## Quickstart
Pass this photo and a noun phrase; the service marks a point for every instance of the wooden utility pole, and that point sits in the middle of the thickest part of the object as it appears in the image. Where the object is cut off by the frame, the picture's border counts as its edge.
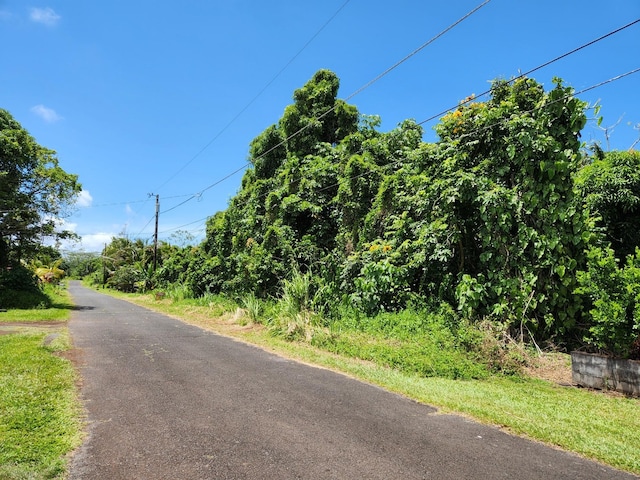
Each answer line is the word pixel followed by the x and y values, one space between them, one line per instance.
pixel 104 266
pixel 155 236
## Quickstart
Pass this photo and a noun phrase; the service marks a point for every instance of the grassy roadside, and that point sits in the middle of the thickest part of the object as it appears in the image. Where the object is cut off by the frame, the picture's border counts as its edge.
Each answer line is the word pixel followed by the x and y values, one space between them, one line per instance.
pixel 596 425
pixel 40 416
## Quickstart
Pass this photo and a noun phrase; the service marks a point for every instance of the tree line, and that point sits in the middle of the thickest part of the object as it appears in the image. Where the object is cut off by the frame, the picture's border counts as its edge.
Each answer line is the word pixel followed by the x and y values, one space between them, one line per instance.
pixel 507 217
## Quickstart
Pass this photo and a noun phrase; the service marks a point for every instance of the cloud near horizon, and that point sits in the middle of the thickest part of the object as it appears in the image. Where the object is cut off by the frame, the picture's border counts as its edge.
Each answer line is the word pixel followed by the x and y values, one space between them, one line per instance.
pixel 46 16
pixel 49 115
pixel 95 242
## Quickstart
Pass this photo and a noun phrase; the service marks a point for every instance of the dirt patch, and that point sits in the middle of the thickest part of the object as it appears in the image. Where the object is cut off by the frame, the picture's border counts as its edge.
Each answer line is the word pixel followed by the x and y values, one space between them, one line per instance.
pixel 76 357
pixel 50 323
pixel 7 328
pixel 553 367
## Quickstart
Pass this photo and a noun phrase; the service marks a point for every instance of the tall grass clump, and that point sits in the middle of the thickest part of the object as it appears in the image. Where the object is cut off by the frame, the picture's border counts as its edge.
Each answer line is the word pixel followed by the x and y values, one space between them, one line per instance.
pixel 252 306
pixel 295 318
pixel 214 301
pixel 179 293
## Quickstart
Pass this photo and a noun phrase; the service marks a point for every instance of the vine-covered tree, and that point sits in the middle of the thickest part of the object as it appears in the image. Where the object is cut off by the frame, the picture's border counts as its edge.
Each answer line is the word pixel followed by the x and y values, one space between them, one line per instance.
pixel 284 217
pixel 484 219
pixel 317 115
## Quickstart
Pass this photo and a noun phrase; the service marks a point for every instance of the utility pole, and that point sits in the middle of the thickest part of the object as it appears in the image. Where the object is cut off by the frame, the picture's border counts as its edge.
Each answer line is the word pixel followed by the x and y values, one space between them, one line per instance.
pixel 104 267
pixel 155 236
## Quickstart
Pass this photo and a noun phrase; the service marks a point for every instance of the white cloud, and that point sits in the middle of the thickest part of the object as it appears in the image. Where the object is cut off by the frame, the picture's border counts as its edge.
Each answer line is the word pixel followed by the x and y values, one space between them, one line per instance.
pixel 46 16
pixel 64 225
pixel 84 199
pixel 49 115
pixel 95 242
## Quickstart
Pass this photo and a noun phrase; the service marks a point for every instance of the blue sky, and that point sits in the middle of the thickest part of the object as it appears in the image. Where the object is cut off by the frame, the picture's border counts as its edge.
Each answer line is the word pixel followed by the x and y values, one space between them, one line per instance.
pixel 155 97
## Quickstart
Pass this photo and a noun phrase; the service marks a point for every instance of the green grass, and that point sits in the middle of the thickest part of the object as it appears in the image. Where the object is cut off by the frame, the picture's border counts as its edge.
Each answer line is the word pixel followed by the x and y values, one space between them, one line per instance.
pixel 420 355
pixel 40 421
pixel 596 425
pixel 40 418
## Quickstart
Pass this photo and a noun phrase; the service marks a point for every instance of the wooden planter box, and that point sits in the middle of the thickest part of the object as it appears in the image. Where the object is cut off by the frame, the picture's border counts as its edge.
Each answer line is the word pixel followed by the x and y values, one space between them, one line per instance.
pixel 606 373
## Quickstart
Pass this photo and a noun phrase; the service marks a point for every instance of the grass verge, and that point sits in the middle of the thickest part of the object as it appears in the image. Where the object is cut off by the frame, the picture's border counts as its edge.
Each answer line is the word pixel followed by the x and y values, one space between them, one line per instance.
pixel 40 415
pixel 593 424
pixel 39 412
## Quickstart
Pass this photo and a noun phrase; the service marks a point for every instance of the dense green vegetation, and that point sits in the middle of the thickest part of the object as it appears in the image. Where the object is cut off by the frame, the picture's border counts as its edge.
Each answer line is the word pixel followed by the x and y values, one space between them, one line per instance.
pixel 425 263
pixel 506 220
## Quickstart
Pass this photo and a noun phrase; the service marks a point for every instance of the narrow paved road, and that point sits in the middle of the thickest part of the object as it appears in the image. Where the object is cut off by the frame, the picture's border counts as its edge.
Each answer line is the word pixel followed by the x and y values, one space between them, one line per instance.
pixel 167 400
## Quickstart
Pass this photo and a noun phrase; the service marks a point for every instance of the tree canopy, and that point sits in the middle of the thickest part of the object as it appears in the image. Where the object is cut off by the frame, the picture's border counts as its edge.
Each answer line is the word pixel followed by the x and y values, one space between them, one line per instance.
pixel 485 219
pixel 35 192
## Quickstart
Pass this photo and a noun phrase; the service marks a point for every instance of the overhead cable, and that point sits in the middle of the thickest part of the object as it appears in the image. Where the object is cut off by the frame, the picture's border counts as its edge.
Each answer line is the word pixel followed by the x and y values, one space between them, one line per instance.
pixel 546 64
pixel 573 94
pixel 256 96
pixel 367 85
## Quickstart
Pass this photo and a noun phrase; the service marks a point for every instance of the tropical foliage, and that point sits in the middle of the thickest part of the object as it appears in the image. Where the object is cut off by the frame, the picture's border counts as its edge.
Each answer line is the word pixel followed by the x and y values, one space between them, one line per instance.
pixel 500 220
pixel 485 219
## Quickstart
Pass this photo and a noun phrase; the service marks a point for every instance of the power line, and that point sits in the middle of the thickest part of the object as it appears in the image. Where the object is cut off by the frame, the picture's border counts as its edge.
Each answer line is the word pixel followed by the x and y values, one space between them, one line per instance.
pixel 573 94
pixel 364 87
pixel 367 85
pixel 195 195
pixel 257 95
pixel 134 201
pixel 610 80
pixel 421 47
pixel 486 127
pixel 293 135
pixel 546 64
pixel 613 32
pixel 600 84
pixel 185 225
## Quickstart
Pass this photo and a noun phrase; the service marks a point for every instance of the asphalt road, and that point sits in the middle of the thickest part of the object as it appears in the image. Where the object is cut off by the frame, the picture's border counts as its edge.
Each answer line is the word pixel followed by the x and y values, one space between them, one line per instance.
pixel 166 400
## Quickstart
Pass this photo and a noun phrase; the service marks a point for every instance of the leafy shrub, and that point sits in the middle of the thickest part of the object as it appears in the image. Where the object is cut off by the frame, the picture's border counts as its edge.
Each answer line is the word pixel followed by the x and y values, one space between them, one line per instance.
pixel 378 279
pixel 125 278
pixel 204 274
pixel 19 288
pixel 614 295
pixel 18 278
pixel 610 189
